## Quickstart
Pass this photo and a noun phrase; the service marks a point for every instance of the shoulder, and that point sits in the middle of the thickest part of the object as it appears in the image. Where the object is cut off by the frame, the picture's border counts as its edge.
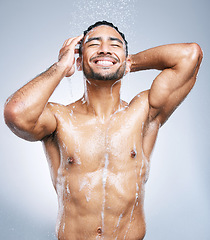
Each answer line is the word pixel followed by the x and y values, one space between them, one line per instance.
pixel 54 106
pixel 61 111
pixel 140 101
pixel 57 109
pixel 142 96
pixel 138 108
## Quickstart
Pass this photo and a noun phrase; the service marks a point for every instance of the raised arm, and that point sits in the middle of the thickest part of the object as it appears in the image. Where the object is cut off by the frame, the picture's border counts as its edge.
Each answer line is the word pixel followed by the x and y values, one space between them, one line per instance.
pixel 179 65
pixel 26 112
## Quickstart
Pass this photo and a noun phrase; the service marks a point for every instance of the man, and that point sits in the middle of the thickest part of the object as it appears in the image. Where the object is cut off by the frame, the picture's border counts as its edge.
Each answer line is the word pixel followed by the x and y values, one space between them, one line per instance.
pixel 99 147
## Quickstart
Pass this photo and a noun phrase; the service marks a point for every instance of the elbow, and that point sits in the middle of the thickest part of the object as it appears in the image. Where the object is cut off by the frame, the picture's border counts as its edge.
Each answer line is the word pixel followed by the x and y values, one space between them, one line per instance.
pixel 15 121
pixel 11 115
pixel 190 59
pixel 194 53
pixel 9 112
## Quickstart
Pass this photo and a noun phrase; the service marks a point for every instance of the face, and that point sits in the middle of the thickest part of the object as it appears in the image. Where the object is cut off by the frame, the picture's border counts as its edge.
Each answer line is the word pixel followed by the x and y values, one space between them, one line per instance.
pixel 103 54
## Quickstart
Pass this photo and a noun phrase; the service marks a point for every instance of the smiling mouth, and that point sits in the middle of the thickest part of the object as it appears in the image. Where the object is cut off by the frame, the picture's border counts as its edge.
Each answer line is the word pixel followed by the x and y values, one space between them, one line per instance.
pixel 104 61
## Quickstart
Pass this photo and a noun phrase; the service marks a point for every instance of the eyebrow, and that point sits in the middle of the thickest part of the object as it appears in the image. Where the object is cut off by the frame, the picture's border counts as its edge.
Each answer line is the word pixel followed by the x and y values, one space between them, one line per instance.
pixel 99 38
pixel 116 39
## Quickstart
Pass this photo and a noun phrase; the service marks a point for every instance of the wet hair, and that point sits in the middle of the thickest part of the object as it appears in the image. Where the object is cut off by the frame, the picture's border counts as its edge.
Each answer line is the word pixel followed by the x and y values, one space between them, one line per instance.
pixel 99 23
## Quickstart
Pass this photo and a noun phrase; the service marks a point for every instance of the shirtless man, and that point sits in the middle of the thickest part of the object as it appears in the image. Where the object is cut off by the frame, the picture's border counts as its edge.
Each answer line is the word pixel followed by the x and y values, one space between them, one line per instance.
pixel 98 148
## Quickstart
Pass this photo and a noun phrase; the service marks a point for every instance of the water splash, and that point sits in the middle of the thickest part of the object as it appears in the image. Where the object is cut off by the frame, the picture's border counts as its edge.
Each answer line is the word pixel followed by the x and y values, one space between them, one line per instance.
pixel 138 176
pixel 67 189
pixel 70 89
pixel 119 12
pixel 86 184
pixel 104 179
pixel 118 224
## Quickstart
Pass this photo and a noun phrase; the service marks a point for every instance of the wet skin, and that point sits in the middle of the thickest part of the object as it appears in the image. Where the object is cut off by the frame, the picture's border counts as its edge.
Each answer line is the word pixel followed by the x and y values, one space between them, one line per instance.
pixel 99 147
pixel 99 170
pixel 98 164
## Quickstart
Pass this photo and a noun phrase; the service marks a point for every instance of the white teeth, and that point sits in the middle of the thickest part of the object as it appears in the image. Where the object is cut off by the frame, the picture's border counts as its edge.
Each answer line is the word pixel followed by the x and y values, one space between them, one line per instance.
pixel 105 63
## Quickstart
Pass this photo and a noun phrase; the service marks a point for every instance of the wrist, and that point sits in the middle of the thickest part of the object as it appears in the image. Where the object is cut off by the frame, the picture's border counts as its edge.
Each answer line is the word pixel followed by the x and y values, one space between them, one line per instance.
pixel 131 57
pixel 136 62
pixel 61 68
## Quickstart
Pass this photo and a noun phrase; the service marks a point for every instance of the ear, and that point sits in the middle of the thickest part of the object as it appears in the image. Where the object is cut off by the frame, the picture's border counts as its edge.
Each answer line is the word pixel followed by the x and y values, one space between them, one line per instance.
pixel 79 63
pixel 128 65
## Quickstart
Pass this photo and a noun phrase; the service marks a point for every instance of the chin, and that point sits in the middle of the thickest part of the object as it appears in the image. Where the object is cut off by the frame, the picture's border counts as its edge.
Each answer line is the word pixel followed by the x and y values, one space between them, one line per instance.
pixel 105 76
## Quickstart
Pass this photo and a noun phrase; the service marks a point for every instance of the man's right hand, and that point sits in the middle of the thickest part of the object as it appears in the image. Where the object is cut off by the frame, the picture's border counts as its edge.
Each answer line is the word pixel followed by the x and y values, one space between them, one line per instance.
pixel 66 55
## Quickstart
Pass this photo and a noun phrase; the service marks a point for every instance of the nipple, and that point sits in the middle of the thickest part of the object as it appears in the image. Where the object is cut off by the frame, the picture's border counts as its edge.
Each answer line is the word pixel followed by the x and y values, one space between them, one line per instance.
pixel 70 160
pixel 99 231
pixel 133 153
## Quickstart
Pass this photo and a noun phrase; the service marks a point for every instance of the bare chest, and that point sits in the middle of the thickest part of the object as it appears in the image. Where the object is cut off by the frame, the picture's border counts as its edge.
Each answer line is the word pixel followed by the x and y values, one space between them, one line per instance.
pixel 89 143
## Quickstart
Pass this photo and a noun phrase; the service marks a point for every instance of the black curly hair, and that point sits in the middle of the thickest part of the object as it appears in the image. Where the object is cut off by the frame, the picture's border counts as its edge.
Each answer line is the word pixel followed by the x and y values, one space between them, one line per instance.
pixel 99 23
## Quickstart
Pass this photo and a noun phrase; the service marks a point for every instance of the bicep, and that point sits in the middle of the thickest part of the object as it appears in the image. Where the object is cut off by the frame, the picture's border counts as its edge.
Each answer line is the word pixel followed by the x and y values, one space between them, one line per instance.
pixel 173 101
pixel 172 85
pixel 44 126
pixel 166 98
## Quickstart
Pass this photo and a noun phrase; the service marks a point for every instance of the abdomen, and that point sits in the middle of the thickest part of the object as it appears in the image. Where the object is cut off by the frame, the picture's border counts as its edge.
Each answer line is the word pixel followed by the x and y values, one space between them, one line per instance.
pixel 101 200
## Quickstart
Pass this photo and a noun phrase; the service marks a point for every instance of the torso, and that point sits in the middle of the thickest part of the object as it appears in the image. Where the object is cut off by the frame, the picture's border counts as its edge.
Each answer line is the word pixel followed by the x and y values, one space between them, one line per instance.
pixel 99 171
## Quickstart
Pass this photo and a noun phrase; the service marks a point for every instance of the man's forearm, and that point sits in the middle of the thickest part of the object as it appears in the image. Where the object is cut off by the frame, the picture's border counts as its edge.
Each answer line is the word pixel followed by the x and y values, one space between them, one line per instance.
pixel 160 58
pixel 26 112
pixel 29 101
pixel 179 64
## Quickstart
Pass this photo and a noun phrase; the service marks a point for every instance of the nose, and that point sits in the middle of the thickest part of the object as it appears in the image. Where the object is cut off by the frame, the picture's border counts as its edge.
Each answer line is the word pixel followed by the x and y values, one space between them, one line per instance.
pixel 104 49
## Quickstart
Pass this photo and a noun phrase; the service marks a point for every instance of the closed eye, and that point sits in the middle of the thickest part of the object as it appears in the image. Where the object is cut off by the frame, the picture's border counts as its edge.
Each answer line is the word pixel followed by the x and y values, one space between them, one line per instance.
pixel 115 45
pixel 93 44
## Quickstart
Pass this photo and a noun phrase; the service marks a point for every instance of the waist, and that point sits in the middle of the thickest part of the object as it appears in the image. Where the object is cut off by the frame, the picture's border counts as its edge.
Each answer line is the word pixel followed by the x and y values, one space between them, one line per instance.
pixel 131 227
pixel 90 206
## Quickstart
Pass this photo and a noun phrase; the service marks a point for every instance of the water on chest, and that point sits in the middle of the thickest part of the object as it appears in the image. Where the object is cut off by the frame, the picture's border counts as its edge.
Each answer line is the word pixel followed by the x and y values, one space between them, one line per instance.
pixel 104 169
pixel 91 145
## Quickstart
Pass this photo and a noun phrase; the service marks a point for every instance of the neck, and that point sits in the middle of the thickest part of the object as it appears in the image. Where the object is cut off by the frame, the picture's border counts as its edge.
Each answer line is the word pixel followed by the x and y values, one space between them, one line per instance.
pixel 102 98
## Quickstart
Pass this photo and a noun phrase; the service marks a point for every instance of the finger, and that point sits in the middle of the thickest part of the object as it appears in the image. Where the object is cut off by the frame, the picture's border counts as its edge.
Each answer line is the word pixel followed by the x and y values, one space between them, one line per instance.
pixel 64 44
pixel 76 41
pixel 67 42
pixel 79 38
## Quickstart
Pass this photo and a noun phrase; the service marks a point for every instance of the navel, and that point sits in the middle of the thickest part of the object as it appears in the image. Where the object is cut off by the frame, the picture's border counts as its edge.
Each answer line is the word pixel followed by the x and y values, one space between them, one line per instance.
pixel 70 160
pixel 133 153
pixel 99 230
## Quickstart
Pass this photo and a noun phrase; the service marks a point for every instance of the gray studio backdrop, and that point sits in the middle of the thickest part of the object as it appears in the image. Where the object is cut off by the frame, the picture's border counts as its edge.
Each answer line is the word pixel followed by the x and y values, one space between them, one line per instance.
pixel 177 203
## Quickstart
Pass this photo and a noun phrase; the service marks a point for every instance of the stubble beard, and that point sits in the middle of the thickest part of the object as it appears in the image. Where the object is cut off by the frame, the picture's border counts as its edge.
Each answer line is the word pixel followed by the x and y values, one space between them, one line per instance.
pixel 91 75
